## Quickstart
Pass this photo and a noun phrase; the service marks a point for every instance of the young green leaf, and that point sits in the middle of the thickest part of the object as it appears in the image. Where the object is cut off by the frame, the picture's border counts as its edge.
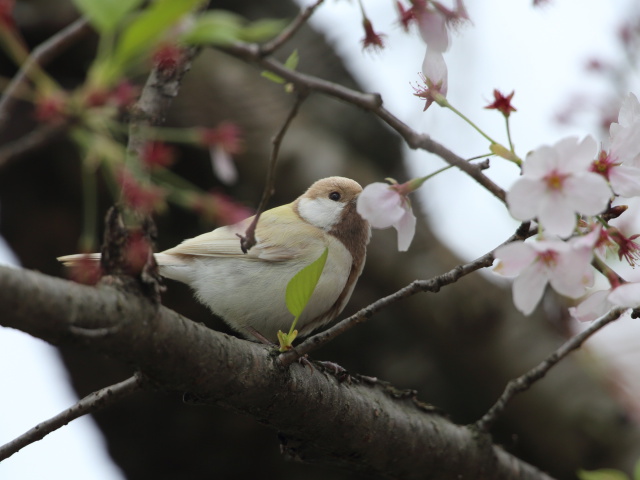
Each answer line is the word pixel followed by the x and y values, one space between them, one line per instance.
pixel 303 283
pixel 262 30
pixel 292 60
pixel 143 32
pixel 291 63
pixel 106 15
pixel 214 27
pixel 602 474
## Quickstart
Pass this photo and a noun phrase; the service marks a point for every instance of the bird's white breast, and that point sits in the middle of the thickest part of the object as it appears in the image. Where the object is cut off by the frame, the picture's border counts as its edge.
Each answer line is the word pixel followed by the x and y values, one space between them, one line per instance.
pixel 251 293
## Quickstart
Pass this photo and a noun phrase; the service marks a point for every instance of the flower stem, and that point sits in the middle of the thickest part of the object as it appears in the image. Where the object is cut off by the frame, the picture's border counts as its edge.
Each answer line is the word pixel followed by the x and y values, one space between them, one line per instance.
pixel 462 116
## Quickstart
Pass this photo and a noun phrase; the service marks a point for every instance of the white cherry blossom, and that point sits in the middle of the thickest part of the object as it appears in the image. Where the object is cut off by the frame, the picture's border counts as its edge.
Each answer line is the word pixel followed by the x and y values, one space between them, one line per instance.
pixel 556 184
pixel 564 265
pixel 384 205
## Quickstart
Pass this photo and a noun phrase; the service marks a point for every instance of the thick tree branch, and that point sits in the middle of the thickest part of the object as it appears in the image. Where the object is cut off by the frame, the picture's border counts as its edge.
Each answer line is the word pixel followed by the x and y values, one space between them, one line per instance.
pixel 359 426
pixel 91 403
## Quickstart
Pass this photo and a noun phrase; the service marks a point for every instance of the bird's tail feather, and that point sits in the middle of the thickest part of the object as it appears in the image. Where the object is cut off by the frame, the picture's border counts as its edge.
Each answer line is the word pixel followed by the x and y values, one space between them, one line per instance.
pixel 78 258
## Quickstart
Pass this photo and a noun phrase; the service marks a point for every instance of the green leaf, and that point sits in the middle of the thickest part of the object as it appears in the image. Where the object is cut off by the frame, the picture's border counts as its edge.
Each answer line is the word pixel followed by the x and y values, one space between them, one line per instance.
pixel 214 27
pixel 262 30
pixel 105 15
pixel 636 471
pixel 291 63
pixel 272 76
pixel 143 32
pixel 303 283
pixel 602 474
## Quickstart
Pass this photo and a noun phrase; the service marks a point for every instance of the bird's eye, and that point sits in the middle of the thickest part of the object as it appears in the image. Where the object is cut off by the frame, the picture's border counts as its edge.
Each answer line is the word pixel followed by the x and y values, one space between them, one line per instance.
pixel 335 196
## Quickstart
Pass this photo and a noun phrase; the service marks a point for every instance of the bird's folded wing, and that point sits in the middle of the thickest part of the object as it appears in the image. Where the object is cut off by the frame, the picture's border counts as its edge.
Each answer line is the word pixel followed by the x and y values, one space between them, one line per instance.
pixel 280 236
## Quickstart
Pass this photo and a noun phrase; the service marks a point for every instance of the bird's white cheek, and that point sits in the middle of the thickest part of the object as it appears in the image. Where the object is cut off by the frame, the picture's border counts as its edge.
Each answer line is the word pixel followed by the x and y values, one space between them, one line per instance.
pixel 320 212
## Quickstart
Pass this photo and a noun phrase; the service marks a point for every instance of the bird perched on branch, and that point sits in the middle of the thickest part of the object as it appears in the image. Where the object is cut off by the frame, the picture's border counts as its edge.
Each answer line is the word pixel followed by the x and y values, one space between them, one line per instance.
pixel 247 290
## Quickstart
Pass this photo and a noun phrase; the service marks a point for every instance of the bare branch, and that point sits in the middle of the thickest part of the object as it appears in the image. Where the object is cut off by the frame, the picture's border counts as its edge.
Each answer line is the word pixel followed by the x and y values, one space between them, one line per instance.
pixel 31 141
pixel 89 404
pixel 291 29
pixel 524 382
pixel 371 102
pixel 249 239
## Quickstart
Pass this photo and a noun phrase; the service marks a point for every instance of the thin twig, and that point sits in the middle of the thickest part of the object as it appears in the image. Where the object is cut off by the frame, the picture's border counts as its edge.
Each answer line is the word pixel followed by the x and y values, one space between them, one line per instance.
pixel 91 403
pixel 249 239
pixel 432 285
pixel 368 101
pixel 42 54
pixel 291 29
pixel 524 382
pixel 31 141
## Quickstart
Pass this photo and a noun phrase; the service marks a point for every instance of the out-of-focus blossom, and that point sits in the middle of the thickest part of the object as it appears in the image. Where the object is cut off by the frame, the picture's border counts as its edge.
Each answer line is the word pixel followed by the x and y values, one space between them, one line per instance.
pixel 564 265
pixel 6 14
pixel 223 142
pixel 142 198
pixel 158 154
pixel 621 164
pixel 371 40
pixel 137 253
pixel 384 205
pixel 597 304
pixel 556 184
pixel 220 208
pixel 502 103
pixel 433 29
pixel 51 108
pixel 86 270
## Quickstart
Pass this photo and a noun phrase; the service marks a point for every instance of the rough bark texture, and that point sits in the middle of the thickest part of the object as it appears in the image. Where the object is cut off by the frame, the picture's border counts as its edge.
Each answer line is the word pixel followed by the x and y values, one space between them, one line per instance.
pixel 457 348
pixel 364 426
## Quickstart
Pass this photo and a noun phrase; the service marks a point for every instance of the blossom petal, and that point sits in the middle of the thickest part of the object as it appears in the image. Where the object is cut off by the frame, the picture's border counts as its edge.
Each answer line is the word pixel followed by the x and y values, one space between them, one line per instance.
pixel 380 205
pixel 406 228
pixel 223 165
pixel 528 288
pixel 523 197
pixel 625 180
pixel 627 295
pixel 576 156
pixel 539 162
pixel 592 307
pixel 513 258
pixel 629 111
pixel 587 193
pixel 435 71
pixel 555 215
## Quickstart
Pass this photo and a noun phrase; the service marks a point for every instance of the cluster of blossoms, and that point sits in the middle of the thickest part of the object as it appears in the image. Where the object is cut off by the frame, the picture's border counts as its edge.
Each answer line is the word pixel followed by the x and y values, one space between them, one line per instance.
pixel 433 21
pixel 568 189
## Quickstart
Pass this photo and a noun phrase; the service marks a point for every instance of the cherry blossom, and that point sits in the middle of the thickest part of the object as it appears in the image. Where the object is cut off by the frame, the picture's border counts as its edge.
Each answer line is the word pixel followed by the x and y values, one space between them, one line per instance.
pixel 435 78
pixel 564 265
pixel 621 164
pixel 595 305
pixel 223 141
pixel 556 184
pixel 371 39
pixel 502 103
pixel 384 205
